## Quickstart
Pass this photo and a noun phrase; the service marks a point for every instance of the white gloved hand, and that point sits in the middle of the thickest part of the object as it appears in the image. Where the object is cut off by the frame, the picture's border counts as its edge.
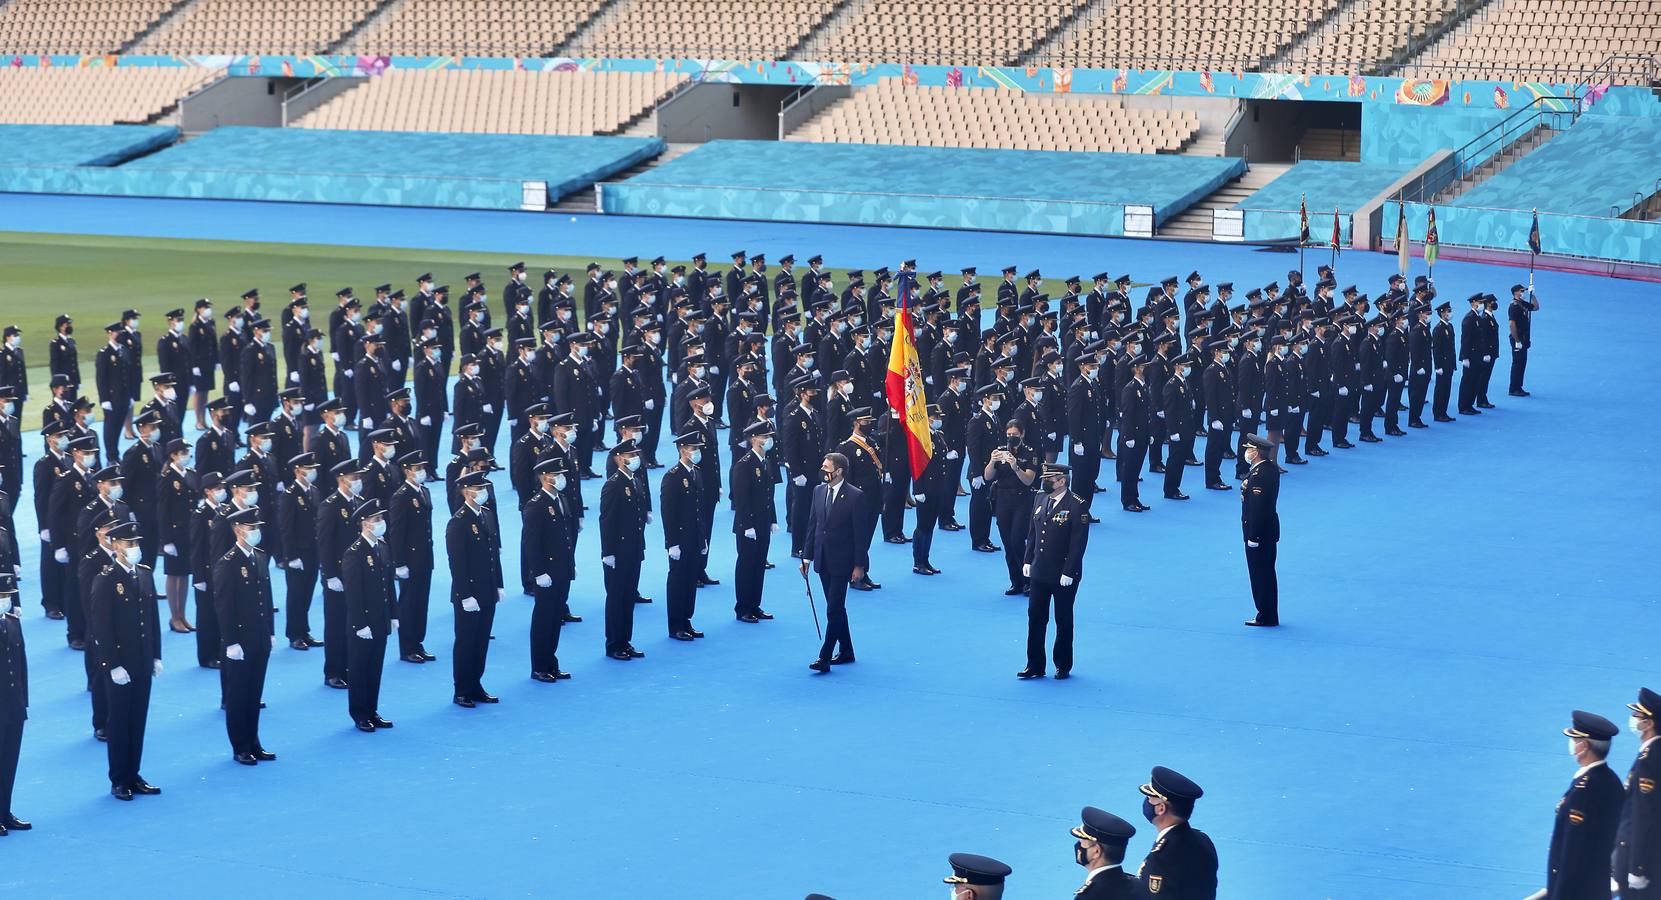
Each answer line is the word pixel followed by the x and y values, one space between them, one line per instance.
pixel 650 404
pixel 1026 569
pixel 170 550
pixel 799 481
pixel 234 652
pixel 468 604
pixel 1160 413
pixel 918 497
pixel 281 487
pixel 1294 410
pixel 1274 412
pixel 367 424
pixel 1315 394
pixel 977 483
pixel 609 562
pixel 310 407
pixel 1066 581
pixel 1246 413
pixel 45 536
pixel 714 370
pixel 1366 387
pixel 196 370
pixel 1396 378
pixel 293 376
pixel 106 405
pixel 334 584
pixel 427 420
pixel 61 555
pixel 1216 424
pixel 513 423
pixel 488 409
pixel 234 387
pixel 334 356
pixel 365 633
pixel 119 675
pixel 750 533
pixel 276 641
pixel 155 669
pixel 1343 392
pixel 705 551
pixel 544 581
pixel 1419 372
pixel 350 373
pixel 951 454
pixel 1078 449
pixel 1252 544
pixel 1518 346
pixel 1131 444
pixel 1051 435
pixel 1487 359
pixel 1463 364
pixel 1176 438
pixel 774 528
pixel 397 365
pixel 201 585
pixel 248 409
pixel 296 564
pixel 501 593
pixel 1637 882
pixel 401 573
pixel 1441 371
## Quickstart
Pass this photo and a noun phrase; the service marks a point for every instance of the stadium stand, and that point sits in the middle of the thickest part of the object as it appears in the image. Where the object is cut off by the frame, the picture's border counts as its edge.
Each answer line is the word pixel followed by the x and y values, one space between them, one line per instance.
pixel 715 29
pixel 81 145
pixel 1546 39
pixel 1559 176
pixel 988 33
pixel 496 101
pixel 1368 33
pixel 76 26
pixel 474 27
pixel 1190 34
pixel 1272 211
pixel 256 26
pixel 895 113
pixel 94 95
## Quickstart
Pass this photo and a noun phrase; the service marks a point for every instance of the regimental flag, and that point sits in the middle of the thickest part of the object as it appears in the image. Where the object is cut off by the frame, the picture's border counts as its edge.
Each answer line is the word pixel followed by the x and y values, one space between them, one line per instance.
pixel 1432 242
pixel 1335 232
pixel 1404 254
pixel 1303 221
pixel 1534 235
pixel 904 384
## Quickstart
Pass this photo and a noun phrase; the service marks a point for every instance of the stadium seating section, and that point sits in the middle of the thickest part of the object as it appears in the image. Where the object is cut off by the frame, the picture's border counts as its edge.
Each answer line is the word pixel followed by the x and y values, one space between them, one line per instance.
pixel 1368 33
pixel 1602 164
pixel 711 29
pixel 496 101
pixel 76 26
pixel 256 26
pixel 1226 34
pixel 1538 38
pixel 989 32
pixel 895 113
pixel 474 27
pixel 93 96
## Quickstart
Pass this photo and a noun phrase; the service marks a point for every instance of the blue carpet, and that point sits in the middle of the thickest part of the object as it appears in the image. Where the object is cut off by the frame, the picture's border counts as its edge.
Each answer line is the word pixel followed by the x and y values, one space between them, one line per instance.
pixel 1449 597
pixel 80 145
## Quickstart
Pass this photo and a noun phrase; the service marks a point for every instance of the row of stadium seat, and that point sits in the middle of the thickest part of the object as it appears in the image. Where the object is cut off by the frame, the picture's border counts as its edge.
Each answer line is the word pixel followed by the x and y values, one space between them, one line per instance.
pixel 1542 36
pixel 474 27
pixel 726 29
pixel 256 26
pixel 1371 31
pixel 991 32
pixel 92 96
pixel 1247 32
pixel 75 26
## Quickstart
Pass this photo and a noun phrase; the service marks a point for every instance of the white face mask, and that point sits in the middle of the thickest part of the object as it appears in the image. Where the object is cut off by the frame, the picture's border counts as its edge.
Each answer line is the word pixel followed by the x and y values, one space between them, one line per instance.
pixel 354 487
pixel 634 464
pixel 698 372
pixel 479 496
pixel 252 538
pixel 542 426
pixel 115 493
pixel 1037 396
pixel 708 408
pixel 308 476
pixel 216 497
pixel 302 313
pixel 170 394
pixel 767 445
pixel 387 452
pixel 149 437
pixel 993 407
pixel 696 457
pixel 257 446
pixel 1635 725
pixel 132 554
pixel 1572 751
pixel 252 498
pixel 559 482
pixel 5 605
pixel 378 527
pixel 419 476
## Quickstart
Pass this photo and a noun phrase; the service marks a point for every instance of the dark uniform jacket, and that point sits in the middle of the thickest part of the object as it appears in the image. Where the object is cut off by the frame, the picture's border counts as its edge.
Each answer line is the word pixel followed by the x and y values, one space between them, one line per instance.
pixel 1583 836
pixel 1638 838
pixel 546 539
pixel 367 576
pixel 680 498
pixel 1133 411
pixel 122 621
pixel 475 552
pixel 1055 543
pixel 1181 865
pixel 409 528
pixel 624 505
pixel 752 494
pixel 297 522
pixel 242 600
pixel 1259 492
pixel 14 668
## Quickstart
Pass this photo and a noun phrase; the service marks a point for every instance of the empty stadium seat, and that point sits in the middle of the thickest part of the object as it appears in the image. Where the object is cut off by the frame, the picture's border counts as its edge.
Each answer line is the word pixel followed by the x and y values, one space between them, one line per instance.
pixel 1188 34
pixel 989 32
pixel 1552 40
pixel 474 27
pixel 715 29
pixel 76 26
pixel 93 95
pixel 1369 33
pixel 257 26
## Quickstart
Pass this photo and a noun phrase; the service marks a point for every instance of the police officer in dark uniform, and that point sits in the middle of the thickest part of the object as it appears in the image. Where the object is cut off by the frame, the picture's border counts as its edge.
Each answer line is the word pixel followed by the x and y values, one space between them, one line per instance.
pixel 336 530
pixel 242 600
pixel 126 648
pixel 1638 838
pixel 802 443
pixel 1473 345
pixel 576 392
pixel 1012 470
pixel 14 699
pixel 1260 524
pixel 976 877
pixel 409 539
pixel 1418 364
pixel 1086 419
pixel 297 515
pixel 72 489
pixel 474 547
pixel 380 476
pixel 932 491
pixel 1183 861
pixel 329 442
pixel 259 372
pixel 681 502
pixel 64 357
pixel 1178 422
pixel 366 576
pixel 141 467
pixel 54 460
pixel 754 520
pixel 1524 304
pixel 985 435
pixel 1100 849
pixel 1134 418
pixel 546 542
pixel 1052 565
pixel 865 471
pixel 625 510
pixel 109 372
pixel 1588 816
pixel 369 382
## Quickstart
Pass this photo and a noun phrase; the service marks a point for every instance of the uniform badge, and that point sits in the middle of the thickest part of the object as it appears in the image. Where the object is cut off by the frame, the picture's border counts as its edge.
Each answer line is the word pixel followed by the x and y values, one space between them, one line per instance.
pixel 1155 882
pixel 628 491
pixel 244 571
pixel 120 588
pixel 415 503
pixel 685 483
pixel 1576 817
pixel 1646 785
pixel 476 527
pixel 343 513
pixel 551 512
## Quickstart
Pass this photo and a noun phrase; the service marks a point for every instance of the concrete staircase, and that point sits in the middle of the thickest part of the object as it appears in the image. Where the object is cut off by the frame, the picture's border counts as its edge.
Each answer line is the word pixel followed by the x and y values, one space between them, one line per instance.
pixel 586 200
pixel 1335 144
pixel 1497 163
pixel 1194 223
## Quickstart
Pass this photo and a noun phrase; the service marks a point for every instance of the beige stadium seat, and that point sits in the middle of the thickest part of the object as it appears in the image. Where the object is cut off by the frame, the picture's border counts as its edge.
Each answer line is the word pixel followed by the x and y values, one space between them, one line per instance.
pixel 723 29
pixel 257 26
pixel 1550 40
pixel 1204 34
pixel 93 96
pixel 75 26
pixel 474 27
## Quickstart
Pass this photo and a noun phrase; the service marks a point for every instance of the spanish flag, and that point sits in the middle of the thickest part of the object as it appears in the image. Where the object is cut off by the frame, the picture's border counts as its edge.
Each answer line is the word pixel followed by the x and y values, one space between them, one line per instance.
pixel 904 385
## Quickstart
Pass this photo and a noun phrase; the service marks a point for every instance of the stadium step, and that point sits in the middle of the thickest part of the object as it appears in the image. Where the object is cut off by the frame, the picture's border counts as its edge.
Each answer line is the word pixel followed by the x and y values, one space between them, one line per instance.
pixel 1331 144
pixel 586 200
pixel 577 42
pixel 1498 163
pixel 1194 223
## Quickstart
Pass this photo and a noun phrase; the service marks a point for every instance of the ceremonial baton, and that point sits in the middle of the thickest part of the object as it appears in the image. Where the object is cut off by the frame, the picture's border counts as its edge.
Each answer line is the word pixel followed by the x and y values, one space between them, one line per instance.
pixel 809 585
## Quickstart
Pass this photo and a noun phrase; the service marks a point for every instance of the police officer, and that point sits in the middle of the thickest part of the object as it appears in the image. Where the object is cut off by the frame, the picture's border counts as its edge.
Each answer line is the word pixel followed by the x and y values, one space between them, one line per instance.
pixel 178 489
pixel 1524 304
pixel 14 699
pixel 976 877
pixel 546 543
pixel 259 372
pixel 932 491
pixel 1134 417
pixel 1638 839
pixel 1583 834
pixel 1086 418
pixel 754 520
pixel 141 468
pixel 1100 849
pixel 336 530
pixel 1178 421
pixel 380 476
pixel 126 648
pixel 72 489
pixel 1260 524
pixel 1473 344
pixel 366 581
pixel 297 517
pixel 110 373
pixel 625 510
pixel 681 501
pixel 410 542
pixel 1183 861
pixel 242 600
pixel 803 442
pixel 474 548
pixel 1052 565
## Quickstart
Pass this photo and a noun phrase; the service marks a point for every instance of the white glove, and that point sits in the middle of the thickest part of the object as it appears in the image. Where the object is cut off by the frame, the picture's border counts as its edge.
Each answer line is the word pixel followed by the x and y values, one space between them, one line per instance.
pixel 234 652
pixel 977 483
pixel 1026 569
pixel 1366 387
pixel 234 387
pixel 1160 413
pixel 296 564
pixel 1176 438
pixel 397 365
pixel 1131 444
pixel 1396 379
pixel 1487 359
pixel 294 376
pixel 426 420
pixel 468 604
pixel 1343 392
pixel 119 675
pixel 1216 424
pixel 334 584
pixel 201 585
pixel 887 478
pixel 705 551
pixel 609 562
pixel 1315 394
pixel 1463 364
pixel 513 423
pixel 45 536
pixel 750 533
pixel 1274 412
pixel 1518 346
pixel 170 550
pixel 1252 544
pixel 350 373
pixel 1051 435
pixel 1441 371
pixel 281 486
pixel 1066 581
pixel 489 409
pixel 196 370
pixel 248 408
pixel 1636 882
pixel 334 356
pixel 1078 449
pixel 394 623
pixel 155 669
pixel 917 497
pixel 951 454
pixel 61 555
pixel 367 423
pixel 714 370
pixel 106 405
pixel 501 593
pixel 310 407
pixel 365 633
pixel 650 518
pixel 650 404
pixel 1419 372
pixel 544 581
pixel 1246 413
pixel 774 528
pixel 1294 410
pixel 401 573
pixel 276 641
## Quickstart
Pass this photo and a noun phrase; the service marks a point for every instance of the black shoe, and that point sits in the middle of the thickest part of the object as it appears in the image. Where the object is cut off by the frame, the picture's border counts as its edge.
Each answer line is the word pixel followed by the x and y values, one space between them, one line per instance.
pixel 769 566
pixel 1283 469
pixel 985 548
pixel 82 645
pixel 706 582
pixel 1228 454
pixel 1483 404
pixel 14 823
pixel 425 656
pixel 246 759
pixel 695 632
pixel 1469 412
pixel 313 641
pixel 858 585
pixel 1443 419
pixel 562 676
pixel 338 684
pixel 366 725
pixel 546 678
pixel 1137 507
pixel 570 619
pixel 896 540
pixel 615 654
pixel 1157 470
pixel 1024 674
pixel 1219 487
pixel 1297 461
pixel 121 792
pixel 1371 439
pixel 842 659
pixel 633 653
pixel 264 755
pixel 1315 451
pixel 1063 674
pixel 924 570
pixel 140 786
pixel 819 666
pixel 749 619
pixel 1343 445
pixel 1417 424
pixel 412 658
pixel 379 722
pixel 871 585
pixel 1256 624
pixel 299 645
pixel 1095 520
pixel 1013 590
pixel 681 636
pixel 480 697
pixel 763 614
pixel 1517 393
pixel 1176 496
pixel 642 599
pixel 951 526
pixel 1395 432
pixel 459 700
pixel 55 615
pixel 99 735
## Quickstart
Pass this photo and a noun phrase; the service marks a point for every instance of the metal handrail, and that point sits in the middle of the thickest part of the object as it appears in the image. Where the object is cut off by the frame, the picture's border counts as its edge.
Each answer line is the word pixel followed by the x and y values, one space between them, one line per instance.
pixel 1495 138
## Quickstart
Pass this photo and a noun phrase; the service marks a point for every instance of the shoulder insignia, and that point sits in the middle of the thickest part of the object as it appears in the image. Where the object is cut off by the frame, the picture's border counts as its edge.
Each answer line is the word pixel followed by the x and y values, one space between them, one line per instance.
pixel 1576 817
pixel 119 587
pixel 1155 883
pixel 1646 785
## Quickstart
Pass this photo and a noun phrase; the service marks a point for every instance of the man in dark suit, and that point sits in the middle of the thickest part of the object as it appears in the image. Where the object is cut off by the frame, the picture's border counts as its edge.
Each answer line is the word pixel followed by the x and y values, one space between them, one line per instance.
pixel 833 550
pixel 1260 523
pixel 680 497
pixel 1583 836
pixel 1134 417
pixel 1054 563
pixel 242 601
pixel 1473 343
pixel 410 540
pixel 1183 861
pixel 1442 357
pixel 297 510
pixel 1100 849
pixel 546 542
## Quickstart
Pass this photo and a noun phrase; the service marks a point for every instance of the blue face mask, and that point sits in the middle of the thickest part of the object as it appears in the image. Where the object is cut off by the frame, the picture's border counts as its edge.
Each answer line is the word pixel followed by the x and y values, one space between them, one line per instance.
pixel 1147 809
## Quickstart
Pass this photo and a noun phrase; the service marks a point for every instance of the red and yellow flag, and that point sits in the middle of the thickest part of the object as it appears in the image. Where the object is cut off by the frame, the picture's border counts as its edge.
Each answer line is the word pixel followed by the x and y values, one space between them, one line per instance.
pixel 904 384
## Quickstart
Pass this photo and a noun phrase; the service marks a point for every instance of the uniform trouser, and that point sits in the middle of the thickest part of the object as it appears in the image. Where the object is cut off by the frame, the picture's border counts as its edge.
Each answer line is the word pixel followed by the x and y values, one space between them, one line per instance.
pixel 1317 413
pixel 207 628
pixel 1086 468
pixel 1156 444
pixel 472 646
pixel 74 610
pixel 1441 393
pixel 1260 565
pixel 1014 511
pixel 654 425
pixel 1417 387
pixel 1370 400
pixel 1038 621
pixel 1482 379
pixel 709 504
pixel 1468 377
pixel 681 591
pixel 622 588
pixel 302 582
pixel 11 741
pixel 334 634
pixel 429 440
pixel 233 410
pixel 1129 465
pixel 836 617
pixel 799 506
pixel 51 581
pixel 894 492
pixel 96 679
pixel 1340 421
pixel 750 571
pixel 1392 404
pixel 585 451
pixel 492 426
pixel 980 516
pixel 112 431
pixel 129 711
pixel 413 595
pixel 1240 464
pixel 244 683
pixel 365 658
pixel 1519 366
pixel 1291 430
pixel 1180 451
pixel 718 393
pixel 547 620
pixel 929 514
pixel 1216 441
pixel 955 467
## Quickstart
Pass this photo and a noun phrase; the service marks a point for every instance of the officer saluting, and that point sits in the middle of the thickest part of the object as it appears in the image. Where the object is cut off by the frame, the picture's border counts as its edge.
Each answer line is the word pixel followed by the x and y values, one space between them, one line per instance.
pixel 126 641
pixel 1100 849
pixel 242 601
pixel 1053 565
pixel 1183 861
pixel 1260 524
pixel 14 699
pixel 1638 839
pixel 1583 835
pixel 976 877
